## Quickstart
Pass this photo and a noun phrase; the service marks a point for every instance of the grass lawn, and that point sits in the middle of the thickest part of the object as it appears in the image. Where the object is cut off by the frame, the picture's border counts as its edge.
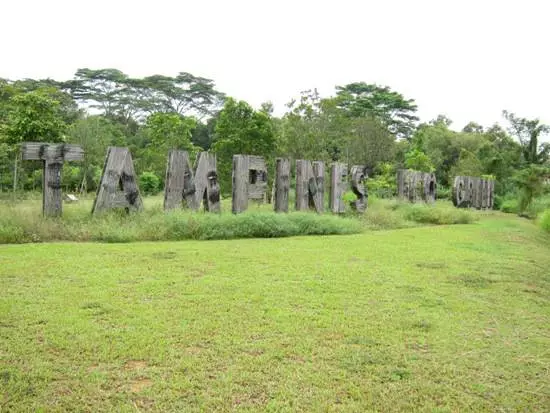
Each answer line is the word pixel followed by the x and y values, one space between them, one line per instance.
pixel 436 319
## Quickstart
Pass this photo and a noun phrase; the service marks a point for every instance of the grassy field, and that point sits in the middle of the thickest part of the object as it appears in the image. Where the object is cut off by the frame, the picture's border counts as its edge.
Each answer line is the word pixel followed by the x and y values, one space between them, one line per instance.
pixel 434 318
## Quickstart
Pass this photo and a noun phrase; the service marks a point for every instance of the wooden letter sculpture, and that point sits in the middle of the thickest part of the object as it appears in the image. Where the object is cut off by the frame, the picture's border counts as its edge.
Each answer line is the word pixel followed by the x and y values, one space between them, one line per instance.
pixel 118 185
pixel 53 156
pixel 185 188
pixel 249 181
pixel 414 186
pixel 358 176
pixel 282 185
pixel 473 192
pixel 179 187
pixel 338 186
pixel 310 185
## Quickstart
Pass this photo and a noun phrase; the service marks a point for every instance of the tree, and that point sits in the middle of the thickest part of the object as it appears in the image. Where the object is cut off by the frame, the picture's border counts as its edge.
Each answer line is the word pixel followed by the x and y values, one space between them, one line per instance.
pixel 528 132
pixel 391 108
pixel 419 161
pixel 121 97
pixel 241 130
pixel 32 116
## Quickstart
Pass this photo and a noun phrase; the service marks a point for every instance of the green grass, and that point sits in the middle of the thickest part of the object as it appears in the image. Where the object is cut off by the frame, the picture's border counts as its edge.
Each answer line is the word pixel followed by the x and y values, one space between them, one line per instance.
pixel 432 318
pixel 545 220
pixel 22 222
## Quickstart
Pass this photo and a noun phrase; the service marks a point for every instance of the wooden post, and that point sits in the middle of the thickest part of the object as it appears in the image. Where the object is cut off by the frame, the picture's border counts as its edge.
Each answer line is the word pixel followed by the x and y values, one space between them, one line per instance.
pixel 400 178
pixel 281 185
pixel 118 186
pixel 239 201
pixel 179 185
pixel 309 185
pixel 318 200
pixel 338 177
pixel 207 187
pixel 430 187
pixel 53 156
pixel 358 176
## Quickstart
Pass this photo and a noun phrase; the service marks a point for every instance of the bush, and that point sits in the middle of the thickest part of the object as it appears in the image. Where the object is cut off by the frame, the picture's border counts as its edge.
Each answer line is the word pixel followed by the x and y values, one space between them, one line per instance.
pixel 545 220
pixel 149 183
pixel 510 206
pixel 443 192
pixel 439 215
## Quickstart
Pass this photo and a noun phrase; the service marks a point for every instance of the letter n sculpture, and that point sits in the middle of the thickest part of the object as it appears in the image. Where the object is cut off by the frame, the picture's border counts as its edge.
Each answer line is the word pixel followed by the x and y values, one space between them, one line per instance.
pixel 310 185
pixel 118 185
pixel 53 156
pixel 185 188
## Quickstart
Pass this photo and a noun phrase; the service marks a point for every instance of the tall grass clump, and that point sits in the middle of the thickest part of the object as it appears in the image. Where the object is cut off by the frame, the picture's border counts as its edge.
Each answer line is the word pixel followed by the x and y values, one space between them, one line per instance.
pixel 23 226
pixel 545 220
pixel 438 214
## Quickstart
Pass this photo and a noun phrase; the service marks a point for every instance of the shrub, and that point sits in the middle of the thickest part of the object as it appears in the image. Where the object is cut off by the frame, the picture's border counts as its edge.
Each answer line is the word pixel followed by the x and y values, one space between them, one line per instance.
pixel 545 220
pixel 439 215
pixel 149 183
pixel 510 206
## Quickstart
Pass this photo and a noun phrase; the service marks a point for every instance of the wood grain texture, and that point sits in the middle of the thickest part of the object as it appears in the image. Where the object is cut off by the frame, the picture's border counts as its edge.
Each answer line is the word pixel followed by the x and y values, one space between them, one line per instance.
pixel 240 176
pixel 52 156
pixel 118 186
pixel 416 186
pixel 179 188
pixel 59 152
pixel 281 185
pixel 358 177
pixel 338 186
pixel 207 187
pixel 249 179
pixel 473 192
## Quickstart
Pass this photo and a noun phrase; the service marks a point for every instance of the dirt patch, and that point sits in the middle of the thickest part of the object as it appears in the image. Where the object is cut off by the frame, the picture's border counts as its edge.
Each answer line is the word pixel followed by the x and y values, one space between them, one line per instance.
pixel 140 384
pixel 135 365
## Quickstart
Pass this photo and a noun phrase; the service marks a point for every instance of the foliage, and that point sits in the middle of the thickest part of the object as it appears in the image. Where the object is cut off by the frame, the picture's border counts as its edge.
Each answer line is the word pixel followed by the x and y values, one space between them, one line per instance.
pixel 389 107
pixel 418 161
pixel 34 116
pixel 529 180
pixel 241 130
pixel 383 183
pixel 545 220
pixel 426 214
pixel 149 183
pixel 528 132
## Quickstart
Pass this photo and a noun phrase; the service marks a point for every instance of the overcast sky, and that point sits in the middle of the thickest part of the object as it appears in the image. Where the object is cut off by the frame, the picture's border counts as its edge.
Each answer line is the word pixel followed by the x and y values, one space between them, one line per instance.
pixel 466 59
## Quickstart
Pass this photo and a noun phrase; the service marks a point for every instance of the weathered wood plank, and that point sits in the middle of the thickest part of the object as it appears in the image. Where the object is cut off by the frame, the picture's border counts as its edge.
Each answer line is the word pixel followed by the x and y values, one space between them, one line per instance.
pixel 240 177
pixel 207 187
pixel 118 186
pixel 52 157
pixel 318 171
pixel 179 188
pixel 51 151
pixel 415 185
pixel 281 185
pixel 473 192
pixel 338 184
pixel 52 198
pixel 358 176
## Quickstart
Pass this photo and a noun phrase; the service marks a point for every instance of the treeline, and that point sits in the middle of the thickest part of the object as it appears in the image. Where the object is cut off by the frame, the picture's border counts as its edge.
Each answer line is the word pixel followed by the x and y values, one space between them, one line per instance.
pixel 361 123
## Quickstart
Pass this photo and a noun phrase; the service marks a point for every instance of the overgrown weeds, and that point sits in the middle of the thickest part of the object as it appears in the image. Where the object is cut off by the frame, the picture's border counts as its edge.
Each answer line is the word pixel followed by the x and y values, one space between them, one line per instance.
pixel 23 223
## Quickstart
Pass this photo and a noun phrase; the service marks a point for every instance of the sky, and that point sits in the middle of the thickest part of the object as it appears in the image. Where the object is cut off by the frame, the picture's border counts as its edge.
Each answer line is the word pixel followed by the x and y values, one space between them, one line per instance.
pixel 465 59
